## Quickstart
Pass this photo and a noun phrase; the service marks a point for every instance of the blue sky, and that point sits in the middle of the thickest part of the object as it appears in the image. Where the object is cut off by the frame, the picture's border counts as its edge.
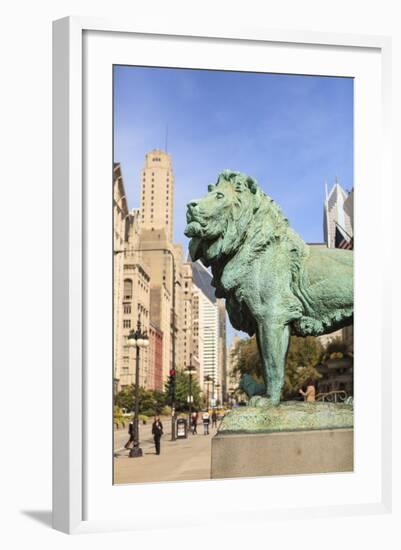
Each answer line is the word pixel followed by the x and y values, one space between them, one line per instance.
pixel 292 133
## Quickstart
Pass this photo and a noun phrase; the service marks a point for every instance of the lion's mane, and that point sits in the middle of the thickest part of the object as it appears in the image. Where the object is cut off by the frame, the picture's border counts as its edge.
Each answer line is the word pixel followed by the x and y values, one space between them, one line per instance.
pixel 261 224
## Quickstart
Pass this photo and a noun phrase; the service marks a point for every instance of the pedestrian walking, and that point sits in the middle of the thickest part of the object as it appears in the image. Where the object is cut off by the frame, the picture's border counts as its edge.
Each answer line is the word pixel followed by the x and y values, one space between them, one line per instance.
pixel 214 419
pixel 131 434
pixel 194 422
pixel 206 421
pixel 157 431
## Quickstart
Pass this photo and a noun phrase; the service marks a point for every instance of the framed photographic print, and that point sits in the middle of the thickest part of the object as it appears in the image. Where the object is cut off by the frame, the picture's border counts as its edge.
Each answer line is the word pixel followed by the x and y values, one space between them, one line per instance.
pixel 217 196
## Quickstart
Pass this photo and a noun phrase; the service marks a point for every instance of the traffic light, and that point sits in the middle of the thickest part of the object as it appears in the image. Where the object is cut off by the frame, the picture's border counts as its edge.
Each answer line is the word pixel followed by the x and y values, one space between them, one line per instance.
pixel 171 385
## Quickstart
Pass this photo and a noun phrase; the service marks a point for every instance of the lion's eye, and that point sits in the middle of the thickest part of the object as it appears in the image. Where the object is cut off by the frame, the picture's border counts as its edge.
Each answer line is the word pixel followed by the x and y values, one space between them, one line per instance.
pixel 220 195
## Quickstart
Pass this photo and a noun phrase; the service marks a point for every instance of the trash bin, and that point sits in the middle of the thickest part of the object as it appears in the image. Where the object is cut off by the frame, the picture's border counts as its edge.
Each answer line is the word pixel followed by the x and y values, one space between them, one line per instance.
pixel 181 428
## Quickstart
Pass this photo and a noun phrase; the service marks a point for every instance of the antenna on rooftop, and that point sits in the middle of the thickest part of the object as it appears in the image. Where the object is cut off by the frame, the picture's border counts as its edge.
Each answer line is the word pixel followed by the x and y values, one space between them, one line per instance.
pixel 166 148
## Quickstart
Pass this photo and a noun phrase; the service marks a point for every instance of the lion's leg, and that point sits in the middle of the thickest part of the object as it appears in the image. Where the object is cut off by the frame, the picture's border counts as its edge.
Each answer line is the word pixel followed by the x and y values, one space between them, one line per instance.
pixel 273 341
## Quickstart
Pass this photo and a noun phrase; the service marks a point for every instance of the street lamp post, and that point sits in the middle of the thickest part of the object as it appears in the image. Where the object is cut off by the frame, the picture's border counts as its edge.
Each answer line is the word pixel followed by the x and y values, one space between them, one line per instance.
pixel 217 393
pixel 208 379
pixel 137 339
pixel 173 323
pixel 232 399
pixel 190 370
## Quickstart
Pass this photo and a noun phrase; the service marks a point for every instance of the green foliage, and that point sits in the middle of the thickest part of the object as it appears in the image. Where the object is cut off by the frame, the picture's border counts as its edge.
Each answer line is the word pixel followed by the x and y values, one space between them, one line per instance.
pixel 151 402
pixel 336 349
pixel 304 354
pixel 248 359
pixel 182 391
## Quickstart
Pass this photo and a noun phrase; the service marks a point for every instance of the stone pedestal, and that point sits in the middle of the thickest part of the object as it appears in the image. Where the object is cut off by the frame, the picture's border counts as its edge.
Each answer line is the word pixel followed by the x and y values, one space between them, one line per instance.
pixel 281 453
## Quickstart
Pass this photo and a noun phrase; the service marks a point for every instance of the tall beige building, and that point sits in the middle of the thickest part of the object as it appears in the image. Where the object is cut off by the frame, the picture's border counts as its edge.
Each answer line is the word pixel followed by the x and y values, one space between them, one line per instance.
pixel 160 257
pixel 135 303
pixel 120 213
pixel 188 354
pixel 164 257
pixel 157 193
pixel 131 289
pixel 153 283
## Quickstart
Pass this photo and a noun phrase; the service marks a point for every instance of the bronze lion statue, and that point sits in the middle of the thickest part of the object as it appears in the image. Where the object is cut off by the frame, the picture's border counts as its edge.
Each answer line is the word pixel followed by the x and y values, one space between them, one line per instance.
pixel 274 284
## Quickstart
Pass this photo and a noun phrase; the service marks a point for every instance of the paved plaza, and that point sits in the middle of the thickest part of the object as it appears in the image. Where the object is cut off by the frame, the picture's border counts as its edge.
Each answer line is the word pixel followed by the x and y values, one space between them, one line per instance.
pixel 183 459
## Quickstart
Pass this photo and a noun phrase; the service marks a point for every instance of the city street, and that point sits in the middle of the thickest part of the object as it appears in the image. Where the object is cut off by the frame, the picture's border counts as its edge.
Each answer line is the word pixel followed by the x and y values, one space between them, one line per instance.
pixel 183 459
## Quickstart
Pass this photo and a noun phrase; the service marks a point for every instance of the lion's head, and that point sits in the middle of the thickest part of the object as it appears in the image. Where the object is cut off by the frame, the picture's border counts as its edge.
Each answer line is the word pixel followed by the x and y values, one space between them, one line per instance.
pixel 237 221
pixel 217 223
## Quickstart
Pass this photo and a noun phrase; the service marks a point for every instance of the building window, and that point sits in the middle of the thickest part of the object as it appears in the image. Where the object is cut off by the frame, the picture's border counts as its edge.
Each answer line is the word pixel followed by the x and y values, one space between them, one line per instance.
pixel 127 289
pixel 127 308
pixel 127 323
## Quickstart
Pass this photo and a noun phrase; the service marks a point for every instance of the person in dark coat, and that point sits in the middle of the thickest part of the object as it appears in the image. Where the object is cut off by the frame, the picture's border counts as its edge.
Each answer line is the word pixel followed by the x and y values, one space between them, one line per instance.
pixel 157 431
pixel 214 419
pixel 131 434
pixel 194 422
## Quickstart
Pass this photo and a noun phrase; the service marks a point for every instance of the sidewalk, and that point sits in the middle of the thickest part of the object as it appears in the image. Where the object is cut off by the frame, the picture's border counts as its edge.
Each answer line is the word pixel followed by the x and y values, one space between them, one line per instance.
pixel 183 459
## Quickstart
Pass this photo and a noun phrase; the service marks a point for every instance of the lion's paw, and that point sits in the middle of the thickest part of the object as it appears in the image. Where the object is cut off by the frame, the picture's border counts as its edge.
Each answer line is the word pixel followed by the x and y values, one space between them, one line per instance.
pixel 259 401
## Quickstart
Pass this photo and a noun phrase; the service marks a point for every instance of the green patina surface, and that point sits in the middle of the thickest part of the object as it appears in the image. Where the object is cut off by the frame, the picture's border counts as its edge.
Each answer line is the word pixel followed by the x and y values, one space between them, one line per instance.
pixel 288 416
pixel 273 283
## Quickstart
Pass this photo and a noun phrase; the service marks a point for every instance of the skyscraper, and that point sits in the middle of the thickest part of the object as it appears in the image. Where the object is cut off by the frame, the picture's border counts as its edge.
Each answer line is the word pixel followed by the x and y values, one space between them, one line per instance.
pixel 131 288
pixel 210 327
pixel 177 308
pixel 337 212
pixel 157 193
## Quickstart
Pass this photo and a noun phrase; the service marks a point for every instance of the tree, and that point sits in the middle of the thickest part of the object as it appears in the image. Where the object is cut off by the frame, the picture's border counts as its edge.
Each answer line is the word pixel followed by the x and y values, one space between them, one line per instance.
pixel 150 401
pixel 304 354
pixel 247 359
pixel 182 391
pixel 336 349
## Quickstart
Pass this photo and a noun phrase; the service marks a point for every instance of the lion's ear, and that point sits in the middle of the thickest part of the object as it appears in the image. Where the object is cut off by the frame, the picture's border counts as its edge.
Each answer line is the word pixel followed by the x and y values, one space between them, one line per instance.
pixel 211 187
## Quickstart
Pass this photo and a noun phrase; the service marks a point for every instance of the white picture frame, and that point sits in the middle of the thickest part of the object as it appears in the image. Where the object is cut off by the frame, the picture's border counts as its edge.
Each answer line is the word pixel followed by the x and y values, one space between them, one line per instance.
pixel 70 412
